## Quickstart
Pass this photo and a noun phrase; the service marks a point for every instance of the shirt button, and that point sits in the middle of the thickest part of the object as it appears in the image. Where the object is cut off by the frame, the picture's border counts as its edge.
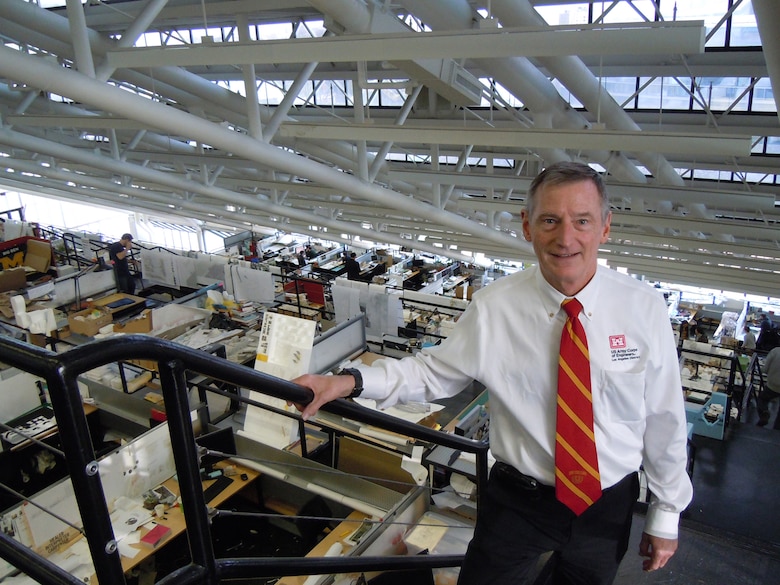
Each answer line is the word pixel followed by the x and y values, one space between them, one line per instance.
pixel 552 315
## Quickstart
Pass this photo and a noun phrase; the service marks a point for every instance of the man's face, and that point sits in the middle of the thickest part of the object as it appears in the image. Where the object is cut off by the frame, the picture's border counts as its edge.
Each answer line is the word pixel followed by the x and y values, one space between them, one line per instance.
pixel 566 230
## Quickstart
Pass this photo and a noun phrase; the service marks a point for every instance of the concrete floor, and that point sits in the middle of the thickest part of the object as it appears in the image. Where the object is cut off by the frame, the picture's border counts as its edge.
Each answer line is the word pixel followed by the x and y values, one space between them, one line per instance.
pixel 730 533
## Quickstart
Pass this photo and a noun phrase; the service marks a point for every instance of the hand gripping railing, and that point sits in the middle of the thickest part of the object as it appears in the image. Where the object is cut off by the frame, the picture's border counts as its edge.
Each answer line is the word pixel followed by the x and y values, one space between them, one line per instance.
pixel 60 371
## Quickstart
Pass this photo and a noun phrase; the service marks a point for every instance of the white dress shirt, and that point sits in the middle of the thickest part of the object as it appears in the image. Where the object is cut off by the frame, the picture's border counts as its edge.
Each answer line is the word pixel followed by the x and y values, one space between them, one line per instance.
pixel 508 339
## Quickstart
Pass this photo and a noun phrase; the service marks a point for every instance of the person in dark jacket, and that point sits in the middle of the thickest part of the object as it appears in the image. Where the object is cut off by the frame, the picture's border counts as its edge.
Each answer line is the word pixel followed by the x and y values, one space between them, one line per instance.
pixel 118 253
pixel 353 267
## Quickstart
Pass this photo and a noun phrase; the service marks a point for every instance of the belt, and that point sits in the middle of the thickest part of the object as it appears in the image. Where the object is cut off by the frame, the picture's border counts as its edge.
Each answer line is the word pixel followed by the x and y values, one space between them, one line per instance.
pixel 508 475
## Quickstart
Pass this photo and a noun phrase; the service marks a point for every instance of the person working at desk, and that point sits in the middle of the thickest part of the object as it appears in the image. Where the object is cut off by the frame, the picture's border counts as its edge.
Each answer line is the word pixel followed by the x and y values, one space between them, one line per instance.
pixel 582 331
pixel 771 389
pixel 353 267
pixel 118 253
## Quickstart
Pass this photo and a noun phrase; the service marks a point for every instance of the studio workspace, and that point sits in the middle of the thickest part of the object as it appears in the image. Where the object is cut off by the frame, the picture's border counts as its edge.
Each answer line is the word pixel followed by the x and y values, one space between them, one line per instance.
pixel 300 491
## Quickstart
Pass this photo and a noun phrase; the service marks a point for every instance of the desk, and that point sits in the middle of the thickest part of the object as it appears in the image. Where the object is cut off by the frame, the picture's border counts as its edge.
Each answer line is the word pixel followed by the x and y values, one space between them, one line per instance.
pixel 454 281
pixel 342 531
pixel 174 517
pixel 38 431
pixel 28 467
pixel 313 312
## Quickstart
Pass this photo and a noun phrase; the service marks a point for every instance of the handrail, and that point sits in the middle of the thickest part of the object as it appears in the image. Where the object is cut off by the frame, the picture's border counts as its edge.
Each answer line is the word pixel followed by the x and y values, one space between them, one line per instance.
pixel 61 371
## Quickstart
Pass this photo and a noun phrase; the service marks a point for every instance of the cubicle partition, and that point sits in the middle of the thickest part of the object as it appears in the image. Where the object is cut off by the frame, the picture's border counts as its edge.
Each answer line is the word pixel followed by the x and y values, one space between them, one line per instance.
pixel 95 483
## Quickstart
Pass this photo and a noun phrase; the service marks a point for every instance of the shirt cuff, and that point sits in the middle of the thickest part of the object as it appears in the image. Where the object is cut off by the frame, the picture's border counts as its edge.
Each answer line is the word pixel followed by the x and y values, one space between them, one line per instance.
pixel 662 523
pixel 373 381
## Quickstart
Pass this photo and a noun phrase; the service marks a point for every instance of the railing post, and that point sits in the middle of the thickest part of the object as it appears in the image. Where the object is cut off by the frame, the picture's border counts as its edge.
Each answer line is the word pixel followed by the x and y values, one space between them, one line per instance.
pixel 185 455
pixel 84 474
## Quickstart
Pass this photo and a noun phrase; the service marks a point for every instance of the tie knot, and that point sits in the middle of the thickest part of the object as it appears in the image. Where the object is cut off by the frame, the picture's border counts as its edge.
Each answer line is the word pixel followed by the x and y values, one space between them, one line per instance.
pixel 572 307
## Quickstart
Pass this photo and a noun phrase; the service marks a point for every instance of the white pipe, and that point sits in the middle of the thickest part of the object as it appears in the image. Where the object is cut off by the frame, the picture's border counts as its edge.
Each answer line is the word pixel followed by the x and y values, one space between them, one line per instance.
pixel 524 80
pixel 767 17
pixel 353 16
pixel 250 84
pixel 134 31
pixel 78 32
pixel 47 77
pixel 582 83
pixel 50 31
pixel 181 184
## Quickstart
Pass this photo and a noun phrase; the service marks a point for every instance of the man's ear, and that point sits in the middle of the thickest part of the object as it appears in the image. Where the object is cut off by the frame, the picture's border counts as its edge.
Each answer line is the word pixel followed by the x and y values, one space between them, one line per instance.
pixel 526 225
pixel 607 225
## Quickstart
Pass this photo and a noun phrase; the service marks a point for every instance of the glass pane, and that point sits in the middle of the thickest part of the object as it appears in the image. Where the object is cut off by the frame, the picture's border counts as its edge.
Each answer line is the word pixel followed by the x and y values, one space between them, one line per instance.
pixel 569 14
pixel 674 96
pixel 330 94
pixel 505 95
pixel 303 96
pixel 636 11
pixel 744 31
pixel 621 88
pixel 391 97
pixel 764 97
pixel 706 174
pixel 371 97
pixel 310 29
pixel 773 145
pixel 269 32
pixel 149 40
pixel 720 93
pixel 759 178
pixel 269 94
pixel 710 11
pixel 566 94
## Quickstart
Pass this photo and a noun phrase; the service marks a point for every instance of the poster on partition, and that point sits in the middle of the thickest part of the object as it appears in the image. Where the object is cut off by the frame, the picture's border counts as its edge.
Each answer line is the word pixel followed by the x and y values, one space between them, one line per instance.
pixel 284 351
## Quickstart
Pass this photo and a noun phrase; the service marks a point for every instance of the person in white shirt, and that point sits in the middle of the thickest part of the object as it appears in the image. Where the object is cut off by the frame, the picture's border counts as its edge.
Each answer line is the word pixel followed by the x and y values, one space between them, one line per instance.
pixel 749 341
pixel 771 390
pixel 508 339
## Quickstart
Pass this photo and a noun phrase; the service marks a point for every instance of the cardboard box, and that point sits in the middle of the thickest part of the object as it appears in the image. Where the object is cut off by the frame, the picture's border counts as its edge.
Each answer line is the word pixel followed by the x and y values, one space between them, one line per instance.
pixel 140 324
pixel 461 291
pixel 150 365
pixel 38 255
pixel 89 321
pixel 13 279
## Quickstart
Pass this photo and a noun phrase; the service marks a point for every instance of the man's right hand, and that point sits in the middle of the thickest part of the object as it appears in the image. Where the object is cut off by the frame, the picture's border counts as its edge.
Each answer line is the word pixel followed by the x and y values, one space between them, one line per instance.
pixel 325 388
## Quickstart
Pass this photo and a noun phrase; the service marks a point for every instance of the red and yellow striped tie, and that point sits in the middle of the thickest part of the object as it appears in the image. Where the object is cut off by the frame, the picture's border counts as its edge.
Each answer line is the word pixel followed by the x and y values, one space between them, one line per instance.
pixel 577 479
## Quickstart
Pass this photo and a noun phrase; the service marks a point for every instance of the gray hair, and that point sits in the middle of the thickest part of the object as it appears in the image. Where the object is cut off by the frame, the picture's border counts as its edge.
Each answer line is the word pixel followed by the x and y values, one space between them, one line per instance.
pixel 567 172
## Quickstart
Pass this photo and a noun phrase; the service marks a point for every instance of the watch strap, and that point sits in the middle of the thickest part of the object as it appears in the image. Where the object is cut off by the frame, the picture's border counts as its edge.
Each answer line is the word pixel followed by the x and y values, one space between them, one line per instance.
pixel 358 389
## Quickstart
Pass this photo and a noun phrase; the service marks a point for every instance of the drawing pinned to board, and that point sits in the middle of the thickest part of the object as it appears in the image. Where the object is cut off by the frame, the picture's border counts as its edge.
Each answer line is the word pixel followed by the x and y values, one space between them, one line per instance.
pixel 284 351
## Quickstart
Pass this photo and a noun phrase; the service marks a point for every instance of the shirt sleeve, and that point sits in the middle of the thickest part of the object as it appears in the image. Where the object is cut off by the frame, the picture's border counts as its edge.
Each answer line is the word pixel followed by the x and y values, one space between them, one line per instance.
pixel 665 455
pixel 437 372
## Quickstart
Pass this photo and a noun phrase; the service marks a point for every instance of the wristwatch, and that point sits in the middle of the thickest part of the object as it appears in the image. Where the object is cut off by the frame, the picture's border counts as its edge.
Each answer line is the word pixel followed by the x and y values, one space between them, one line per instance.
pixel 358 389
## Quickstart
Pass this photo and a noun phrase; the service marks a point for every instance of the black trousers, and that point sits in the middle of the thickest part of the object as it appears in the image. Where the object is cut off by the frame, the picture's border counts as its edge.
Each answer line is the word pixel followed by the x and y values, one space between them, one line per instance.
pixel 767 395
pixel 519 520
pixel 125 283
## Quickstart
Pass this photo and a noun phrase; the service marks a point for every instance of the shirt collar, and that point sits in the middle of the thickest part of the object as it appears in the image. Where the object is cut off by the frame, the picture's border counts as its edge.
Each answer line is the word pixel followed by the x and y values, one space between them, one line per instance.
pixel 552 298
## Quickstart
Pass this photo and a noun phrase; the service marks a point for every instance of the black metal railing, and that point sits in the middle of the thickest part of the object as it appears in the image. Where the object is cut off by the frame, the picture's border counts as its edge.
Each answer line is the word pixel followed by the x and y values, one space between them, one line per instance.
pixel 60 372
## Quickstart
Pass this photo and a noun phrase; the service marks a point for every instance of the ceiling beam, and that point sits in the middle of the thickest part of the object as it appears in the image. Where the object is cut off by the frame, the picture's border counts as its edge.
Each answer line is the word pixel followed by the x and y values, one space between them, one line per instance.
pixel 632 38
pixel 712 197
pixel 633 141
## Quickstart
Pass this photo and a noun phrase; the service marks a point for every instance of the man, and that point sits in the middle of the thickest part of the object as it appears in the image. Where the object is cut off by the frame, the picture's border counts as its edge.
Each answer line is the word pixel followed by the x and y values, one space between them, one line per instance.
pixel 509 340
pixel 768 335
pixel 771 389
pixel 353 267
pixel 748 341
pixel 118 253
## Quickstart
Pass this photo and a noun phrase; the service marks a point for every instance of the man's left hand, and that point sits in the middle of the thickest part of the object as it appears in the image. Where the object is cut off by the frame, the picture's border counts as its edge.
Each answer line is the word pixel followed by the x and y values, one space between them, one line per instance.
pixel 657 550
